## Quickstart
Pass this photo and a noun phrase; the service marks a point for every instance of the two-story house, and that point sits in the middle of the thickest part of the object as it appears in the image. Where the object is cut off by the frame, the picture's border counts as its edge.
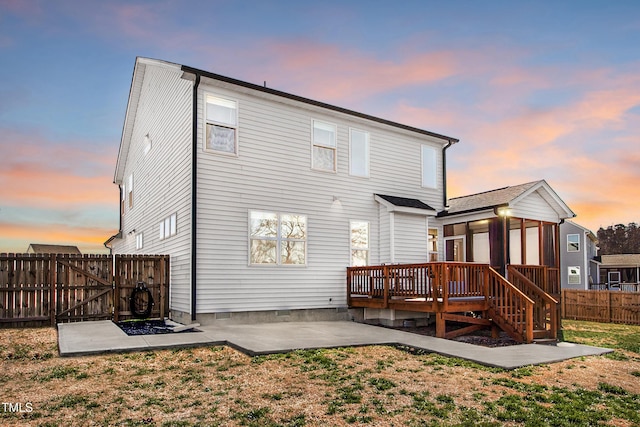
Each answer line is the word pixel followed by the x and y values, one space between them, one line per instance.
pixel 263 199
pixel 580 268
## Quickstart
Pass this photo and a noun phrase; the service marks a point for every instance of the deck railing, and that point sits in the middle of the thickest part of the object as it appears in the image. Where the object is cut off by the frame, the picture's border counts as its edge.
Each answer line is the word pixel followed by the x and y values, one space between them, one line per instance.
pixel 438 285
pixel 438 281
pixel 510 308
pixel 546 312
pixel 546 278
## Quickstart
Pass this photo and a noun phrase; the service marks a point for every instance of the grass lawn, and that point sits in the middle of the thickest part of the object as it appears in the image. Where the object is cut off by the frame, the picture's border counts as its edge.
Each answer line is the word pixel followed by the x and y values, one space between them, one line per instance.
pixel 377 386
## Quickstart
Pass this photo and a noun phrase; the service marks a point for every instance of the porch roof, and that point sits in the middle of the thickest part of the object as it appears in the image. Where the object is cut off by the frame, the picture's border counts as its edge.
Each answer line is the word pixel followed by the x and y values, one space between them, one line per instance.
pixel 404 204
pixel 621 260
pixel 506 197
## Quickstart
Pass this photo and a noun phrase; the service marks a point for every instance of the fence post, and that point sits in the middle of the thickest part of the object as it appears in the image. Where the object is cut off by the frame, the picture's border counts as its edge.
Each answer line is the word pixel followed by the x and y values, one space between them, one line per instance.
pixel 53 280
pixel 386 279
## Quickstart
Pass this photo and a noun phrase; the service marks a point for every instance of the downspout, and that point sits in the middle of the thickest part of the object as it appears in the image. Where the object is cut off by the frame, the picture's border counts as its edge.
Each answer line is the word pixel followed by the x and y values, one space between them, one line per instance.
pixel 445 205
pixel 194 194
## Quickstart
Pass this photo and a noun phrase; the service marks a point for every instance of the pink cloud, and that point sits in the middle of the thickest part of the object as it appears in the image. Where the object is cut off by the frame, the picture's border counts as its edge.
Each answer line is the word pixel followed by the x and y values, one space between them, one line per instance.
pixel 330 73
pixel 43 174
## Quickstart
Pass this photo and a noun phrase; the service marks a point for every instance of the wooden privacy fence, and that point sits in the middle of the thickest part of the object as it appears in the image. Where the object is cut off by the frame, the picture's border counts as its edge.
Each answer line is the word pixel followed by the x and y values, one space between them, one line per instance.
pixel 601 306
pixel 45 289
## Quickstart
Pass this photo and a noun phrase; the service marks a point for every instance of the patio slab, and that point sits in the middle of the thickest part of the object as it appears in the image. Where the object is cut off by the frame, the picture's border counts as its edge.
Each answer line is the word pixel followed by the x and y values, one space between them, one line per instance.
pixel 77 339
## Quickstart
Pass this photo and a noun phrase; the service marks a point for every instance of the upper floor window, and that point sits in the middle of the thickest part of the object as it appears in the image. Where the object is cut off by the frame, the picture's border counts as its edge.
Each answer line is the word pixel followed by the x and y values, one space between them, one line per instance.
pixel 130 190
pixel 359 243
pixel 222 125
pixel 279 239
pixel 573 242
pixel 429 167
pixel 324 146
pixel 358 153
pixel 123 197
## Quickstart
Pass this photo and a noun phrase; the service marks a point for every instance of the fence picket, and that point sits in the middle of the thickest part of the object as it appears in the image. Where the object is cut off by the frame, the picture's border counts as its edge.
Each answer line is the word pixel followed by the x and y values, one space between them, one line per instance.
pixel 41 289
pixel 601 306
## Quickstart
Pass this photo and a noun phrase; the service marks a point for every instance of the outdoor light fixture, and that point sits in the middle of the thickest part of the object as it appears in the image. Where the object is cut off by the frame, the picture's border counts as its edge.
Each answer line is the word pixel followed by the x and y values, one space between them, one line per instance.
pixel 504 212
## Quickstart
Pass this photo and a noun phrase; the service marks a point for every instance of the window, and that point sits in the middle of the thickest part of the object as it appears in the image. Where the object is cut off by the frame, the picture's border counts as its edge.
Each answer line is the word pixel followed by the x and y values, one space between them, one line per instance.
pixel 139 241
pixel 168 226
pixel 359 243
pixel 433 244
pixel 574 276
pixel 277 239
pixel 358 153
pixel 123 198
pixel 429 167
pixel 324 146
pixel 130 189
pixel 573 242
pixel 222 124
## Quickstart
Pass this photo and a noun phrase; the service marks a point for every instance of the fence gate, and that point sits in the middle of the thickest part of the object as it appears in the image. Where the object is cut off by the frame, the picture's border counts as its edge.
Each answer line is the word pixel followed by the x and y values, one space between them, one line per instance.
pixel 41 289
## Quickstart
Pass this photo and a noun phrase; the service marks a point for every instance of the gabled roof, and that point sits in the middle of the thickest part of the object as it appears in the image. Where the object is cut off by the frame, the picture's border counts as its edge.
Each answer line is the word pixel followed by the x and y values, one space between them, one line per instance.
pixel 588 232
pixel 39 248
pixel 507 197
pixel 190 72
pixel 404 204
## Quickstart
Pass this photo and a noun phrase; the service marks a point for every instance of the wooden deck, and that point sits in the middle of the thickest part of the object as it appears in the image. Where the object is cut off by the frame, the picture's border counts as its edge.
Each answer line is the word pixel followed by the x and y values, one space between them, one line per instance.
pixel 452 291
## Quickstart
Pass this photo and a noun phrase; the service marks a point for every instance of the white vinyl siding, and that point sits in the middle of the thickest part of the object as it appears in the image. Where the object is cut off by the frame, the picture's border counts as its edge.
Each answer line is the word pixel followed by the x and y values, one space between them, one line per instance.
pixel 324 149
pixel 536 207
pixel 273 175
pixel 162 175
pixel 358 153
pixel 410 238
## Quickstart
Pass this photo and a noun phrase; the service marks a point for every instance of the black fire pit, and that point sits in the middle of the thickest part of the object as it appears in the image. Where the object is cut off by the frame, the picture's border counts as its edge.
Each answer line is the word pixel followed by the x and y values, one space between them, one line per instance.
pixel 151 327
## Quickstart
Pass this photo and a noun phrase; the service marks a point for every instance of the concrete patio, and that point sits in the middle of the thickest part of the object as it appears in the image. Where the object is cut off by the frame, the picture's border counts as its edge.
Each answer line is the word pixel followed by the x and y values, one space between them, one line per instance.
pixel 99 337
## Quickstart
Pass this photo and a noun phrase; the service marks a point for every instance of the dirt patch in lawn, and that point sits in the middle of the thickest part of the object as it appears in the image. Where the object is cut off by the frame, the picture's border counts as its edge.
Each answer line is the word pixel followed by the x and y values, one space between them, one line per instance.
pixel 482 337
pixel 377 386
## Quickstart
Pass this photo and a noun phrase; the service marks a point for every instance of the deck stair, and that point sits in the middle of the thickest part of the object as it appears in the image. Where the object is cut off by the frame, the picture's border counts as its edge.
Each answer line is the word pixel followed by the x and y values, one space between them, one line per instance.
pixel 453 291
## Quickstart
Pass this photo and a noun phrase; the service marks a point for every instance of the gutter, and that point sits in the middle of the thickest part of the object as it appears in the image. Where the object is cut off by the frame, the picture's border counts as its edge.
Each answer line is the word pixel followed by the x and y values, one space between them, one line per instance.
pixel 194 198
pixel 445 206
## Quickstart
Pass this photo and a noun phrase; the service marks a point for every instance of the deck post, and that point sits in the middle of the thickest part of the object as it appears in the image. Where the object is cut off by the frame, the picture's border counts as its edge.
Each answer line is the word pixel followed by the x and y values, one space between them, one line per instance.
pixel 386 278
pixel 441 325
pixel 348 286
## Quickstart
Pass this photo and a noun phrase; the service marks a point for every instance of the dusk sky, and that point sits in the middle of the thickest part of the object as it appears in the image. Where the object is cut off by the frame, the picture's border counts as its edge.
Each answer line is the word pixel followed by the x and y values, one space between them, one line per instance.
pixel 533 90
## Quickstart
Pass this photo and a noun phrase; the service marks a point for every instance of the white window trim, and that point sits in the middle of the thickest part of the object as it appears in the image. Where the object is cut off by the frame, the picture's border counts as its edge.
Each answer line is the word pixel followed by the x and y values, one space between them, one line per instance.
pixel 278 239
pixel 435 166
pixel 207 96
pixel 168 227
pixel 334 148
pixel 130 191
pixel 569 244
pixel 139 241
pixel 579 275
pixel 367 153
pixel 360 248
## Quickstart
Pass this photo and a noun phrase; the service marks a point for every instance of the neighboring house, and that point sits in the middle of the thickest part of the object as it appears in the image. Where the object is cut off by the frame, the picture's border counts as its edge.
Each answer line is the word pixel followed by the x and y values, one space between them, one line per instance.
pixel 579 266
pixel 263 198
pixel 620 272
pixel 38 248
